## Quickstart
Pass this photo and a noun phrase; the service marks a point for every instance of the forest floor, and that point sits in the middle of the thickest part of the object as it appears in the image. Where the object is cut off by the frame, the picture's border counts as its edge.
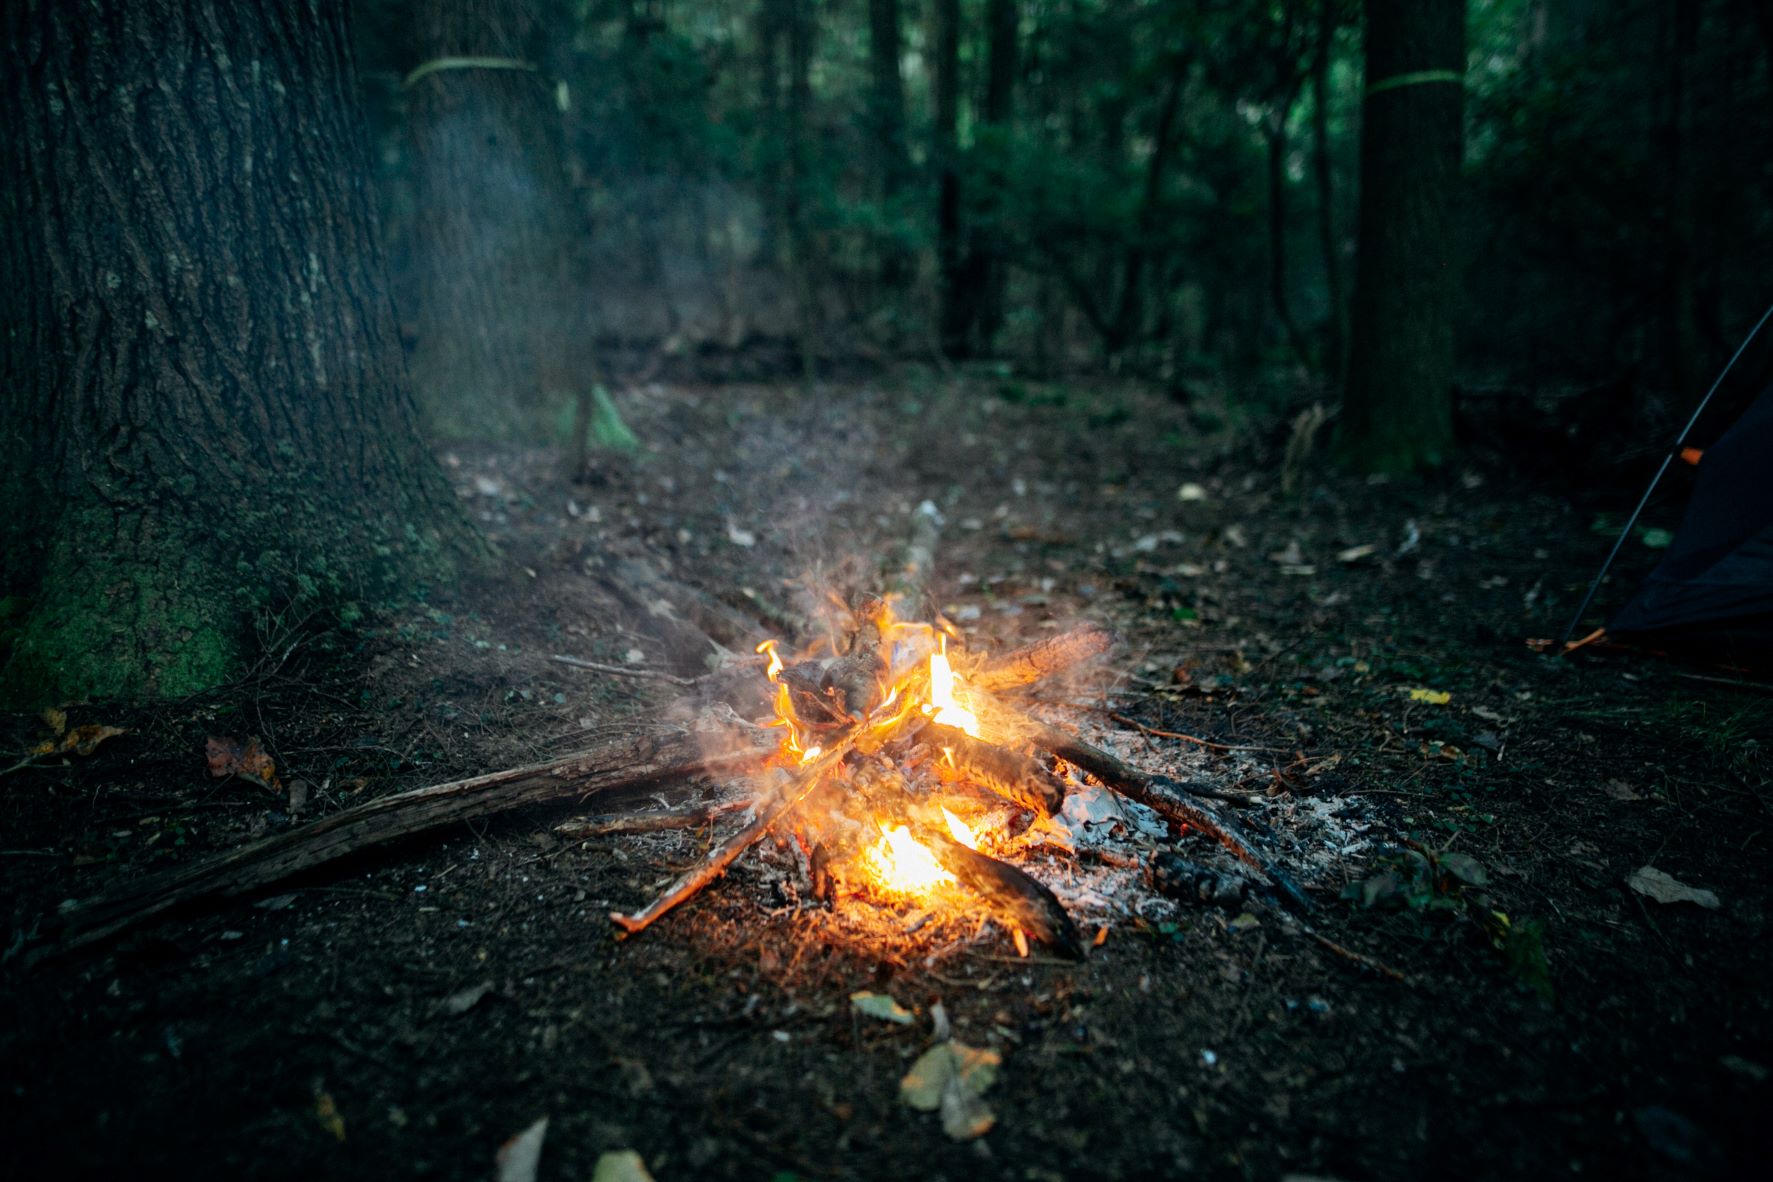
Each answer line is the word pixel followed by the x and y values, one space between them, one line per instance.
pixel 405 1015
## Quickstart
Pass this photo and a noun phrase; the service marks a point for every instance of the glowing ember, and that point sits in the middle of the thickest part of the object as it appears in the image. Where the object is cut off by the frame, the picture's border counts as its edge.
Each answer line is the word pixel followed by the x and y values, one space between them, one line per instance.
pixel 960 830
pixel 903 865
pixel 942 706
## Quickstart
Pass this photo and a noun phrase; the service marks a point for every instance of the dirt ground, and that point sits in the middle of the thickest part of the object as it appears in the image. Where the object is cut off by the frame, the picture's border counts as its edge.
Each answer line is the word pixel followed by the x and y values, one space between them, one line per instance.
pixel 337 1027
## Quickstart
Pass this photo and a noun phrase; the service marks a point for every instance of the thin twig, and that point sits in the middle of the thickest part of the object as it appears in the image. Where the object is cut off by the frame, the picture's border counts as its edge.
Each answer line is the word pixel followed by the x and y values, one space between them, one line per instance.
pixel 620 670
pixel 1151 730
pixel 692 881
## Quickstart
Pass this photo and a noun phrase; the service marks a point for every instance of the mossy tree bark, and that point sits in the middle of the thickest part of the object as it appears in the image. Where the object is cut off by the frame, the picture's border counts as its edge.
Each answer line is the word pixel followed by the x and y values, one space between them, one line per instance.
pixel 205 410
pixel 501 307
pixel 1397 410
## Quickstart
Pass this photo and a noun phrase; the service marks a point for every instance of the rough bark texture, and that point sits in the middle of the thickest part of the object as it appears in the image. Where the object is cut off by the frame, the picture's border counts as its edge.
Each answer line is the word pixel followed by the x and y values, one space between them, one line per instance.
pixel 501 292
pixel 1397 409
pixel 206 417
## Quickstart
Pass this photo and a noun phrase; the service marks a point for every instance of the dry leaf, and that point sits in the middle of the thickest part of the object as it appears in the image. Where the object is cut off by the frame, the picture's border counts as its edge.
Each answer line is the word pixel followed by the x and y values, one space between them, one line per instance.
pixel 621 1165
pixel 1665 888
pixel 1432 697
pixel 519 1157
pixel 231 757
pixel 463 1000
pixel 950 1078
pixel 882 1006
pixel 327 1113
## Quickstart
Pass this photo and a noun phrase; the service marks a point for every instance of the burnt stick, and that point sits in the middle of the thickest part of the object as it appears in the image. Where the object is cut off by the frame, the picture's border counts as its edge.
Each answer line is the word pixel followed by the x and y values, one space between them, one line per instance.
pixel 691 882
pixel 1016 896
pixel 1171 799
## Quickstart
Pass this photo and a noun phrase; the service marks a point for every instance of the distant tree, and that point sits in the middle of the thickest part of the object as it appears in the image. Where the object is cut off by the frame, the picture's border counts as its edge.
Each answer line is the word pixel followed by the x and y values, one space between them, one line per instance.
pixel 886 117
pixel 207 418
pixel 983 273
pixel 954 312
pixel 1397 408
pixel 498 242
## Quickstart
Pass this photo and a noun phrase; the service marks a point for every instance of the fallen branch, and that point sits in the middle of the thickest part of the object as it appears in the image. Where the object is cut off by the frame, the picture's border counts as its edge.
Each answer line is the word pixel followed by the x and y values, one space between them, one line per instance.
pixel 633 763
pixel 622 670
pixel 1170 799
pixel 651 821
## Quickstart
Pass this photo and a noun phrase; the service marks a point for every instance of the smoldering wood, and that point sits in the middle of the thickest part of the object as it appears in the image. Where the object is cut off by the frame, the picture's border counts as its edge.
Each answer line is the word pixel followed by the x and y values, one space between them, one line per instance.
pixel 1037 662
pixel 634 763
pixel 1011 893
pixel 1172 800
pixel 1014 774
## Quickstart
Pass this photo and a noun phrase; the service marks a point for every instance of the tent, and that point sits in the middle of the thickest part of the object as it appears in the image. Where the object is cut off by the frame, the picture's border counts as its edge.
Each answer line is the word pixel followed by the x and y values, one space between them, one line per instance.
pixel 1712 594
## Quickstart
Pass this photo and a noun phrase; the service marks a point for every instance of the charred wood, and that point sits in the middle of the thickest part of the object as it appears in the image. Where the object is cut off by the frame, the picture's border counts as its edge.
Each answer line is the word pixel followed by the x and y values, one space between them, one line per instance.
pixel 1173 800
pixel 1037 662
pixel 1010 773
pixel 1013 894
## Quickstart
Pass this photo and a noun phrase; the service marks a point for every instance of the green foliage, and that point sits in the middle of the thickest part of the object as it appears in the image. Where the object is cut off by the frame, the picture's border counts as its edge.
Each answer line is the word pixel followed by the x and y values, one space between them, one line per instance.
pixel 1425 881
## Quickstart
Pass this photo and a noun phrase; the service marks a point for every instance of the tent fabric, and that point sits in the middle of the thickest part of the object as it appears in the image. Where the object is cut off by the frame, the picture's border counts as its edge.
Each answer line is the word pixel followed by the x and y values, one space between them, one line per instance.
pixel 1714 586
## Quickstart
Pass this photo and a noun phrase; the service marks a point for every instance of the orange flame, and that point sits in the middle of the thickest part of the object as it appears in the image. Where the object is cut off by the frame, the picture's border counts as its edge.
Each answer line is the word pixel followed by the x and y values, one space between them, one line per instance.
pixel 785 717
pixel 961 831
pixel 943 706
pixel 902 865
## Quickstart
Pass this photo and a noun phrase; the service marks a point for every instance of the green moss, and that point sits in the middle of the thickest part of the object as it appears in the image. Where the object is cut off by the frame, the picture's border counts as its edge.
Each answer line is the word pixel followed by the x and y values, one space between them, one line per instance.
pixel 169 611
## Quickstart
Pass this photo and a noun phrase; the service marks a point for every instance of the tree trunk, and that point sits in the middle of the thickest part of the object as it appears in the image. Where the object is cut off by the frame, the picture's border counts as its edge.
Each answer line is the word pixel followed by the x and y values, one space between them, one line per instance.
pixel 1129 314
pixel 501 291
pixel 208 420
pixel 886 115
pixel 985 270
pixel 954 313
pixel 1275 135
pixel 1397 409
pixel 1324 168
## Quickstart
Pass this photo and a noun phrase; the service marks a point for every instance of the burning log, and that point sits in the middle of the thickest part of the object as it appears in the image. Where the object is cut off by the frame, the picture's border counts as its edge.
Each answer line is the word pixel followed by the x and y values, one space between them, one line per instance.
pixel 1010 773
pixel 1170 799
pixel 1037 662
pixel 1013 894
pixel 635 763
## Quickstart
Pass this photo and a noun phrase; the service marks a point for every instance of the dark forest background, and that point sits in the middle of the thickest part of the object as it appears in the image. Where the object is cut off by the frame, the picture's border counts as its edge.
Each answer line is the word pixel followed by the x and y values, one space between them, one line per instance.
pixel 1167 190
pixel 256 255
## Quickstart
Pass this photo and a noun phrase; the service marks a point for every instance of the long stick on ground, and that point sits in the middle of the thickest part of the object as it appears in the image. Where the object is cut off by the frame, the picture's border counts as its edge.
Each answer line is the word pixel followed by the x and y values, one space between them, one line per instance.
pixel 727 852
pixel 1170 799
pixel 631 763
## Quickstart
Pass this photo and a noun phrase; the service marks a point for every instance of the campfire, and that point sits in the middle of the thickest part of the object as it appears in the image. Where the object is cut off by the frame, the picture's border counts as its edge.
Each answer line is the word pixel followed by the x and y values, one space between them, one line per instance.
pixel 906 773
